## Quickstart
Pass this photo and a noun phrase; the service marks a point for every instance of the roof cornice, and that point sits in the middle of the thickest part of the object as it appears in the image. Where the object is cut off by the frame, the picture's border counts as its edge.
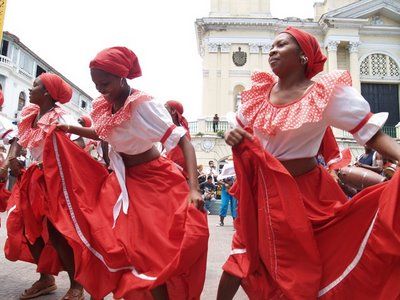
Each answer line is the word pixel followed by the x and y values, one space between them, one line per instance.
pixel 17 41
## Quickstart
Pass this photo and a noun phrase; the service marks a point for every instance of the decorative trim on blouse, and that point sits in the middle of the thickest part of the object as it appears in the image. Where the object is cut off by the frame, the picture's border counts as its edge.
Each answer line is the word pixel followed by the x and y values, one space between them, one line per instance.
pixel 259 113
pixel 29 137
pixel 104 121
pixel 167 133
pixel 361 124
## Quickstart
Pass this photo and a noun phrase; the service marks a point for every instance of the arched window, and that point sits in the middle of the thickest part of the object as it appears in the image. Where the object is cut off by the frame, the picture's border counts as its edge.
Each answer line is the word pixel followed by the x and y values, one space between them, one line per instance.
pixel 237 96
pixel 379 66
pixel 21 101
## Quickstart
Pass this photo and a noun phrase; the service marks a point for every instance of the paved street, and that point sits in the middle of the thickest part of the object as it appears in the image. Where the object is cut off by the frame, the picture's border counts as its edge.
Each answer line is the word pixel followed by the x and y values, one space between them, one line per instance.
pixel 17 276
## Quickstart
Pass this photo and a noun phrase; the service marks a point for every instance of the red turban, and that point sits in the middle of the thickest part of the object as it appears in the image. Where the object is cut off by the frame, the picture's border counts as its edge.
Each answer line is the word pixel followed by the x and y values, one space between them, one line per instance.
pixel 58 89
pixel 1 98
pixel 179 111
pixel 310 46
pixel 119 61
pixel 87 122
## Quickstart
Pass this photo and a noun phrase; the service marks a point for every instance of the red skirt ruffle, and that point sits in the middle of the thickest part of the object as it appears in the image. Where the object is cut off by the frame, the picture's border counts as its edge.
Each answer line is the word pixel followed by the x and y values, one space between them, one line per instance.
pixel 161 239
pixel 4 195
pixel 27 221
pixel 307 240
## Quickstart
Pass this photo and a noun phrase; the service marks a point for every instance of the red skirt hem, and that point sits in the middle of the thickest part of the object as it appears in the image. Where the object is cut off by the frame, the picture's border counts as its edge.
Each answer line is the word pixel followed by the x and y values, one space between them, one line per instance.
pixel 349 249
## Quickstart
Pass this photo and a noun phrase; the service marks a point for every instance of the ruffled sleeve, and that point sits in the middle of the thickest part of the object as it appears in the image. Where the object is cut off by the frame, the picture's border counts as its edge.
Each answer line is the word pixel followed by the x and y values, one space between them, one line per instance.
pixel 157 126
pixel 348 110
pixel 253 98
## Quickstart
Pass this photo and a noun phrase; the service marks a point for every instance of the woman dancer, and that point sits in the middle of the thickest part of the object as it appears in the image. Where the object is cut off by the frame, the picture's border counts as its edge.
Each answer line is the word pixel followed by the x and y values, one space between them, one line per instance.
pixel 298 237
pixel 140 232
pixel 31 235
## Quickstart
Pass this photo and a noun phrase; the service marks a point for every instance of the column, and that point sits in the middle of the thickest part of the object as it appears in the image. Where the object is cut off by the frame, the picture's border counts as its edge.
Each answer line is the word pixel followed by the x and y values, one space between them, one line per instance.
pixel 354 67
pixel 332 55
pixel 224 99
pixel 210 79
pixel 253 61
pixel 263 62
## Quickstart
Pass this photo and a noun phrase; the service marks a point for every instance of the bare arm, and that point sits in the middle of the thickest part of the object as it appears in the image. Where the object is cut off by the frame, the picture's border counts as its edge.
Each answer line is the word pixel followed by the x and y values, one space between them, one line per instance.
pixel 11 160
pixel 89 133
pixel 190 160
pixel 80 142
pixel 385 145
pixel 372 168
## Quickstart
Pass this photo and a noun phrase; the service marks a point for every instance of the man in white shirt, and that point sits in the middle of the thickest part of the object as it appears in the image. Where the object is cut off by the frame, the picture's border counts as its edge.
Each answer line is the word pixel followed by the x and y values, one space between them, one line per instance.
pixel 211 170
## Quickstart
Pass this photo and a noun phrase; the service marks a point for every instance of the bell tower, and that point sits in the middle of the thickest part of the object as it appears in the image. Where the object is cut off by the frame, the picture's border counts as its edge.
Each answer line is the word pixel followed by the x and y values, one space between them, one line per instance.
pixel 240 8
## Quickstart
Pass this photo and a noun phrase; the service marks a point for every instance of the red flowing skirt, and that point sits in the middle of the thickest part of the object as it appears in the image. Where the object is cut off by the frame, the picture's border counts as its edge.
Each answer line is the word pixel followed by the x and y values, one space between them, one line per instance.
pixel 4 195
pixel 300 238
pixel 27 221
pixel 161 239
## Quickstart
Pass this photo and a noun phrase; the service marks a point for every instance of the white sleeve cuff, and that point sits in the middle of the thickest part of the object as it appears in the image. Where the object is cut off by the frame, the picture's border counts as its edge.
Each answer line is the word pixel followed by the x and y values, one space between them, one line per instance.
pixel 172 141
pixel 375 123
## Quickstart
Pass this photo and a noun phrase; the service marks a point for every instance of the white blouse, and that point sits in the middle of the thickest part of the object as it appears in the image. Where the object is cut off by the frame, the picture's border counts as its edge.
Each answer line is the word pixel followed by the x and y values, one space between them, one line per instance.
pixel 346 110
pixel 149 123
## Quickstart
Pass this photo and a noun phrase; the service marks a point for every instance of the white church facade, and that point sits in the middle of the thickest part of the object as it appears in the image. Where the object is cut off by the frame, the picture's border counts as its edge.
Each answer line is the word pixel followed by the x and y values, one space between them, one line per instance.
pixel 362 37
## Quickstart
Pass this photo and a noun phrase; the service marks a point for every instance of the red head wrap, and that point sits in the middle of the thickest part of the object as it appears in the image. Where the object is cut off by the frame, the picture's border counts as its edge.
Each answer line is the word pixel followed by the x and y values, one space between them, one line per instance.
pixel 119 61
pixel 179 111
pixel 310 46
pixel 1 98
pixel 87 122
pixel 58 89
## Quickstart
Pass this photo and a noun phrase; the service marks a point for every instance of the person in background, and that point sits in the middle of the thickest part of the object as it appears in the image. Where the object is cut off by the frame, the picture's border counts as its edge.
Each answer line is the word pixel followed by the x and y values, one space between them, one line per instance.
pixel 370 160
pixel 227 200
pixel 211 170
pixel 208 189
pixel 215 122
pixel 201 176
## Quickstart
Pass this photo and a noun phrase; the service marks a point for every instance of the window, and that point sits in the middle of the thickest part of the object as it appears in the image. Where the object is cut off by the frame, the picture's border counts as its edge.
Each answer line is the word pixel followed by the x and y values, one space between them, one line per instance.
pixel 83 104
pixel 4 48
pixel 39 70
pixel 237 97
pixel 26 63
pixel 379 66
pixel 75 98
pixel 21 101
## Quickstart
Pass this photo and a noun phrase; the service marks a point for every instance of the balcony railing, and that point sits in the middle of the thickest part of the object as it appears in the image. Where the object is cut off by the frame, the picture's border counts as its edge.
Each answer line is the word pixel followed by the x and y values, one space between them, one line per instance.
pixel 221 126
pixel 193 127
pixel 4 60
pixel 205 126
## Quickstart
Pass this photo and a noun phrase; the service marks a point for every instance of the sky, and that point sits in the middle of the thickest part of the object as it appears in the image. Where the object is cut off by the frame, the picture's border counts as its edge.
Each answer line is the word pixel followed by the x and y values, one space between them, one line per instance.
pixel 68 34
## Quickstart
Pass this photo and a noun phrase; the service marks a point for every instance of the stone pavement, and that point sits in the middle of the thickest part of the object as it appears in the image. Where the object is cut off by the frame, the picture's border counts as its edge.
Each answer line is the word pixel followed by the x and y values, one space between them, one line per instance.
pixel 17 276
